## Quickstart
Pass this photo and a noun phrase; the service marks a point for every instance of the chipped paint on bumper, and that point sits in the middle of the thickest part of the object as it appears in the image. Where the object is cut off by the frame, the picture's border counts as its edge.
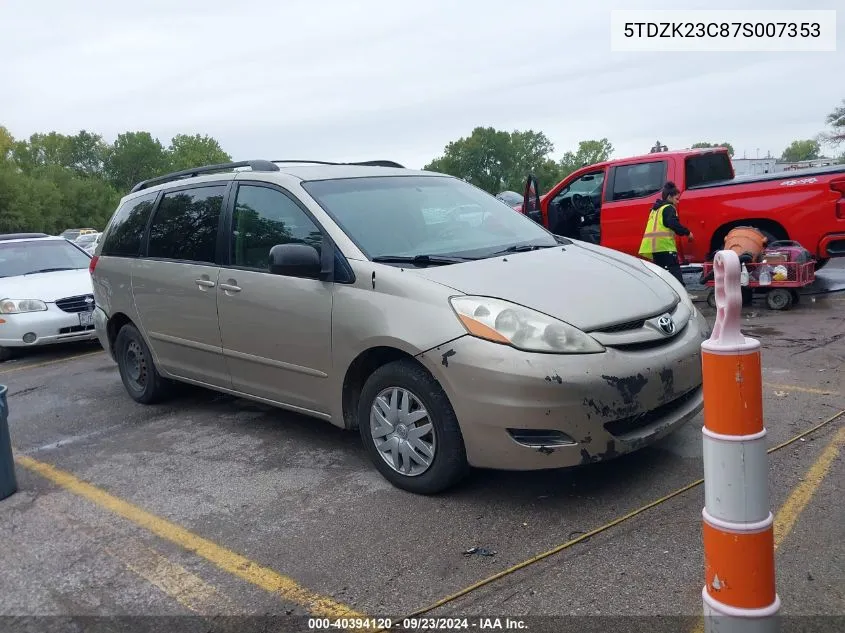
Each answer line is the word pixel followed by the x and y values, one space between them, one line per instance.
pixel 610 404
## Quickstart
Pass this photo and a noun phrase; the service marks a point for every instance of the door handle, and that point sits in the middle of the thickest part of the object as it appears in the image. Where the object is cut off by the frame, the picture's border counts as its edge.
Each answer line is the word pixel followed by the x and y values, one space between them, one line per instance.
pixel 206 283
pixel 230 288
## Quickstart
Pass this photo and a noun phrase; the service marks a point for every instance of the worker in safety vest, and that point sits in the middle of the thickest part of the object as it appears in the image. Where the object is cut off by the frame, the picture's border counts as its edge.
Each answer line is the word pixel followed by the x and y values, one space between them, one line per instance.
pixel 663 225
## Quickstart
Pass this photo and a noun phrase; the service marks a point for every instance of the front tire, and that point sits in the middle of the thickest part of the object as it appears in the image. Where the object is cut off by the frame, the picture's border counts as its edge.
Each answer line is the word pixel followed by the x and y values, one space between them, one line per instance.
pixel 5 354
pixel 140 377
pixel 410 430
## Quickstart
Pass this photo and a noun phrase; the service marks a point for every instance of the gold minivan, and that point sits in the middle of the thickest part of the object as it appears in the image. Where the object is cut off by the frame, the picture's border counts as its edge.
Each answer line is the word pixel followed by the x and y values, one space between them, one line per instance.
pixel 450 330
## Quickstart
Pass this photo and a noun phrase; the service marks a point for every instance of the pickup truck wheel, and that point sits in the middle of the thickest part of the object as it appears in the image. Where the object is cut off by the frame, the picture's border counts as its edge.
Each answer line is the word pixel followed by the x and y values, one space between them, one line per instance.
pixel 821 263
pixel 711 299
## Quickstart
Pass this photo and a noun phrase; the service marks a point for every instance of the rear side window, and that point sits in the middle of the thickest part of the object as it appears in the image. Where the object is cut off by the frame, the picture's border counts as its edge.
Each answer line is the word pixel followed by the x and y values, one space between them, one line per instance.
pixel 265 217
pixel 127 227
pixel 185 225
pixel 638 181
pixel 708 168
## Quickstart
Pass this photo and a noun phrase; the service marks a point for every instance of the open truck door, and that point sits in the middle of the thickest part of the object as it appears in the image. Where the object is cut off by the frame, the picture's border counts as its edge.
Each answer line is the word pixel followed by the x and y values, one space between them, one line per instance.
pixel 531 200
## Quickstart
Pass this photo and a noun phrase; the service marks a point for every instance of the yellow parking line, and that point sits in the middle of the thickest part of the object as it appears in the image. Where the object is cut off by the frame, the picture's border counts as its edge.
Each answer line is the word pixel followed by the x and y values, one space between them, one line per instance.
pixel 223 558
pixel 818 392
pixel 800 496
pixel 187 589
pixel 803 492
pixel 174 580
pixel 50 362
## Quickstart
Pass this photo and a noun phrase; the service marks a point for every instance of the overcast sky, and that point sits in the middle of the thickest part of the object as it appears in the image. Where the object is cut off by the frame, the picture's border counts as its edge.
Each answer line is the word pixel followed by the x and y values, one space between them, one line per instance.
pixel 364 79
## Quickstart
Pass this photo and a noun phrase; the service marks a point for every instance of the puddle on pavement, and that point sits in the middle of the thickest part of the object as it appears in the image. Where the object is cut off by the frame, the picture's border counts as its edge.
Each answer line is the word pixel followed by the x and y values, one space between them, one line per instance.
pixel 760 330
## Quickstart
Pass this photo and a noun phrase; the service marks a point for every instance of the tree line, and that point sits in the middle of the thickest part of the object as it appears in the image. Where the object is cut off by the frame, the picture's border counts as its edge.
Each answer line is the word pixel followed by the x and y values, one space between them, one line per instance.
pixel 51 182
pixel 496 161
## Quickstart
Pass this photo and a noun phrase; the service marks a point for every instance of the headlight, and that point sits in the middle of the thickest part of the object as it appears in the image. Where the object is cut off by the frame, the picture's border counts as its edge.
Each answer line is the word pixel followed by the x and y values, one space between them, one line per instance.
pixel 16 306
pixel 670 279
pixel 510 324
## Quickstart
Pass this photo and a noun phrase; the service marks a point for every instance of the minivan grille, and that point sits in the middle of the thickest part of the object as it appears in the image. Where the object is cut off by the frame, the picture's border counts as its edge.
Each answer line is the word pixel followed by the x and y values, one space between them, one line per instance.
pixel 623 327
pixel 633 423
pixel 81 303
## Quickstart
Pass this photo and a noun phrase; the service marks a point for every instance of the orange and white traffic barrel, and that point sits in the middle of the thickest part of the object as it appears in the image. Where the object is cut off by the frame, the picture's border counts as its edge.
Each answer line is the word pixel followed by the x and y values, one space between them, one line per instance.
pixel 739 594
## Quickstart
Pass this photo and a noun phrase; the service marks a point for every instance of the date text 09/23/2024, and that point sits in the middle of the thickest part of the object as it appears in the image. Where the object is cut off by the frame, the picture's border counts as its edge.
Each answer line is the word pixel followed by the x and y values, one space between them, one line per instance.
pixel 416 624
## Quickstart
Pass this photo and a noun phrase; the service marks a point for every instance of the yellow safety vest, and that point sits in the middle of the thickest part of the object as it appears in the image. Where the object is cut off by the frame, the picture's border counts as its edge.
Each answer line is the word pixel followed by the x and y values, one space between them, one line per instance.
pixel 657 238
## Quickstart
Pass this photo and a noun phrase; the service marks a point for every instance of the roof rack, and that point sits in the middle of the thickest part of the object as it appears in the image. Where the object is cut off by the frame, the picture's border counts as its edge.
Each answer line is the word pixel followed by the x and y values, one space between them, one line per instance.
pixel 255 165
pixel 366 163
pixel 21 236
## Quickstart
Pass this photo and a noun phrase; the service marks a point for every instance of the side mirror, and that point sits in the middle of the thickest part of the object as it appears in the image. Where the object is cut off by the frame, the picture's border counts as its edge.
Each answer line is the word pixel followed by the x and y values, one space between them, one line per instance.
pixel 296 260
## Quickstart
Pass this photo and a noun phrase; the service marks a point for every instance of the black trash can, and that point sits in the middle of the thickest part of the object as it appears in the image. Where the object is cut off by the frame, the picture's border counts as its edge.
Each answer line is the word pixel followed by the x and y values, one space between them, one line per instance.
pixel 8 483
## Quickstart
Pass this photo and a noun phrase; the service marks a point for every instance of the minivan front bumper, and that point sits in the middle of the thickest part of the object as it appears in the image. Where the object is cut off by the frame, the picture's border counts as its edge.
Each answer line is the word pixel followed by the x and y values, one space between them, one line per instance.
pixel 528 411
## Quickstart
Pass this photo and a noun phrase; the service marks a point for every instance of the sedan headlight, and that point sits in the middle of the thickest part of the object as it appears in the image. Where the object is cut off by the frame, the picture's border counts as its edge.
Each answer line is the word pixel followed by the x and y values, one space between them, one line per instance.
pixel 670 279
pixel 16 306
pixel 511 324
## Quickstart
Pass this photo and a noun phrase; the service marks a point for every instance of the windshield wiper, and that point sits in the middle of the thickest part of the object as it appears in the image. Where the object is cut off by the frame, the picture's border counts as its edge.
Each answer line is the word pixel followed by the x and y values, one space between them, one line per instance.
pixel 47 270
pixel 419 260
pixel 521 248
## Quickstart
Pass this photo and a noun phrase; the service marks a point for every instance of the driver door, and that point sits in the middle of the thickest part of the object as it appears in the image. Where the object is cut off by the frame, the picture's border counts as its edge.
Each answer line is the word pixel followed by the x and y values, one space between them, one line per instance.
pixel 575 211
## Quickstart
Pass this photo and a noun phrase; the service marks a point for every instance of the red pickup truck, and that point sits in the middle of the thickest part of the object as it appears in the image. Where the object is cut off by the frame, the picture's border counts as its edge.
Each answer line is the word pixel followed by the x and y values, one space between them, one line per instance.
pixel 608 203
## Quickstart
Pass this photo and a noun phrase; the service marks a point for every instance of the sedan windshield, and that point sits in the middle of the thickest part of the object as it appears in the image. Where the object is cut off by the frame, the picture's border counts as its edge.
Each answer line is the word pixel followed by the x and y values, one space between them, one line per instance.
pixel 40 256
pixel 418 216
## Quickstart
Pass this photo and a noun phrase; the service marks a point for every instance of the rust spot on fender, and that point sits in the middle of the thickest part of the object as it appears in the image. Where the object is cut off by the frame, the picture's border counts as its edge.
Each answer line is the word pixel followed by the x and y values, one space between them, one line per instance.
pixel 445 357
pixel 629 387
pixel 554 378
pixel 545 450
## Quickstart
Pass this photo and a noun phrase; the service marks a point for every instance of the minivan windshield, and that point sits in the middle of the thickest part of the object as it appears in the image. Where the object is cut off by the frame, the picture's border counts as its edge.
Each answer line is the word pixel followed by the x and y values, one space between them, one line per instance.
pixel 418 216
pixel 40 256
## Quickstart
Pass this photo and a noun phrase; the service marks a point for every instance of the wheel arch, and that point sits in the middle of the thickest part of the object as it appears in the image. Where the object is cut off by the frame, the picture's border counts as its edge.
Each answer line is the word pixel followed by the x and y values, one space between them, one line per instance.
pixel 361 368
pixel 772 227
pixel 113 326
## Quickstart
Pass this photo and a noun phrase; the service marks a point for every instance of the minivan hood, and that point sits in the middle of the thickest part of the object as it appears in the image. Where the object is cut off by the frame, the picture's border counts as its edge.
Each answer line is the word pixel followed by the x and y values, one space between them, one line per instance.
pixel 587 287
pixel 47 286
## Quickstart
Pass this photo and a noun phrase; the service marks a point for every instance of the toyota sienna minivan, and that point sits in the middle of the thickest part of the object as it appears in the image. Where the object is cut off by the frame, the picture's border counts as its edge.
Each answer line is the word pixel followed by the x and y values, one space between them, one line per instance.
pixel 450 330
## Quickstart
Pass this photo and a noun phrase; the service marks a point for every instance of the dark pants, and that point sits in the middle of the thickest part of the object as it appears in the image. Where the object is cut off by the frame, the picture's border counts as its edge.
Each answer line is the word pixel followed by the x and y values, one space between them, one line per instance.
pixel 669 261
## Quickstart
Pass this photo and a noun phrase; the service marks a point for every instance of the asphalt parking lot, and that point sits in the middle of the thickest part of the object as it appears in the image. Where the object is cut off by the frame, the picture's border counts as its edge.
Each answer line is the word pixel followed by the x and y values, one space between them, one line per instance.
pixel 217 506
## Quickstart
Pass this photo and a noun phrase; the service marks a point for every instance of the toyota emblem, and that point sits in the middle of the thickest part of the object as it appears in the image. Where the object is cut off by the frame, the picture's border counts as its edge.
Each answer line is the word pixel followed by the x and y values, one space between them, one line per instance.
pixel 666 324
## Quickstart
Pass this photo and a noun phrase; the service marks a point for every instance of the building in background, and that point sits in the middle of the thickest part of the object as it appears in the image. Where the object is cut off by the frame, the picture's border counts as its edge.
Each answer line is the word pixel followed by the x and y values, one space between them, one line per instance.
pixel 754 166
pixel 769 165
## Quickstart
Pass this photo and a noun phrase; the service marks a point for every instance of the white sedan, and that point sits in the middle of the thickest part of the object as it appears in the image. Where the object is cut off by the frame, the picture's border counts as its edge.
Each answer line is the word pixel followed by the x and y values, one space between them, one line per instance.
pixel 45 292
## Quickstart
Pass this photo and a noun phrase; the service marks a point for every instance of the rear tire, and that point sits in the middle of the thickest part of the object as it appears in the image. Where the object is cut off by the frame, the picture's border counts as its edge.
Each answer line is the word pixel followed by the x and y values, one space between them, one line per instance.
pixel 430 430
pixel 140 377
pixel 5 354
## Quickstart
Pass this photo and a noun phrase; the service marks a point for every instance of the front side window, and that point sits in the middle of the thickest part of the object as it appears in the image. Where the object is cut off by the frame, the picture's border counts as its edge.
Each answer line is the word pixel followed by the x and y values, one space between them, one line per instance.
pixel 40 256
pixel 185 225
pixel 588 185
pixel 265 217
pixel 638 181
pixel 407 216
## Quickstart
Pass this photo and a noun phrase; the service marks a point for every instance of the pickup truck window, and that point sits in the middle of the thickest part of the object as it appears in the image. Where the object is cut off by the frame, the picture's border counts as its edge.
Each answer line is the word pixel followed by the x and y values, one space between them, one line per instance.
pixel 638 180
pixel 589 185
pixel 705 169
